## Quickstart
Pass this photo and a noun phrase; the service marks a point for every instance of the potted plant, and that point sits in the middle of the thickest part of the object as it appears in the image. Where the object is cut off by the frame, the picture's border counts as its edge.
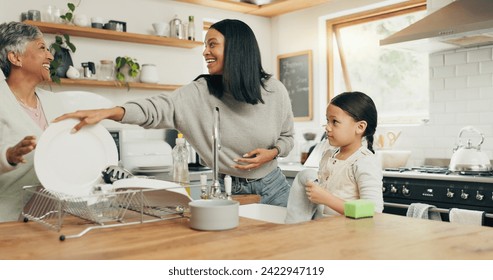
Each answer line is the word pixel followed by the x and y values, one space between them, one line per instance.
pixel 126 68
pixel 68 17
pixel 62 58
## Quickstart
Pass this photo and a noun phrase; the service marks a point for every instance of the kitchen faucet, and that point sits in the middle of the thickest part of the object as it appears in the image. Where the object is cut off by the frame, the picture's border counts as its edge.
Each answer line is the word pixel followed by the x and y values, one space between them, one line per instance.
pixel 215 190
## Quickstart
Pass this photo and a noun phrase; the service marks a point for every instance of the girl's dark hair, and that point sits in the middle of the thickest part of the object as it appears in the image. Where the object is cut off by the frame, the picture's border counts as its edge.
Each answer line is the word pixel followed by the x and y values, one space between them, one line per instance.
pixel 243 74
pixel 361 108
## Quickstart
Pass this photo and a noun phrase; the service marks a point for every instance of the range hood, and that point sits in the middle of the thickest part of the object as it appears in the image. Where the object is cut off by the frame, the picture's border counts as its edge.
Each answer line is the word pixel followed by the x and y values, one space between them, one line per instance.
pixel 461 24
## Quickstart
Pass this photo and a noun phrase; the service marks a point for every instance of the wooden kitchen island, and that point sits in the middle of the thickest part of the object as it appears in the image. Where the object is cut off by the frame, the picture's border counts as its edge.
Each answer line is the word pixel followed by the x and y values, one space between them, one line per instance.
pixel 384 237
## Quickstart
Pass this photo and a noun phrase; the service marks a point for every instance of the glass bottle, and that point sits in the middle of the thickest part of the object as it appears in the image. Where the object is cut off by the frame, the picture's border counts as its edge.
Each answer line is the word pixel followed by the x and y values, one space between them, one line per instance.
pixel 191 28
pixel 180 163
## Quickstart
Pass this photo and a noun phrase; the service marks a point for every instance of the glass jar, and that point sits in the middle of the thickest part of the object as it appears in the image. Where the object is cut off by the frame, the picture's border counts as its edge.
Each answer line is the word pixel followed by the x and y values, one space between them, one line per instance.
pixel 106 69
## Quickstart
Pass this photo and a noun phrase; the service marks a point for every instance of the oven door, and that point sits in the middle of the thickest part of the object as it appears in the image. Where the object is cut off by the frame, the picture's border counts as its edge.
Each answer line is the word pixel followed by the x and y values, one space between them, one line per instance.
pixel 398 206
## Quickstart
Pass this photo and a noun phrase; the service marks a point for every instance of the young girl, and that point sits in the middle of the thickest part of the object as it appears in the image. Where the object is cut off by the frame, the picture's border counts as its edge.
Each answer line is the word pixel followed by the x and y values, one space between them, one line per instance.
pixel 351 171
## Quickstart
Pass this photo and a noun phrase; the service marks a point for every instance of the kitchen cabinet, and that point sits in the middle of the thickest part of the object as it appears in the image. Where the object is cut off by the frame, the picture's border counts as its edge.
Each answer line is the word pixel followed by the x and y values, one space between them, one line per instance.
pixel 103 34
pixel 275 8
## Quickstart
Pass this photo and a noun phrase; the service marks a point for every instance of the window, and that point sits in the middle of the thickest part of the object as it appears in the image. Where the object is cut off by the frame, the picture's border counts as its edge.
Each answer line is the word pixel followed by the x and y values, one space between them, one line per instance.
pixel 397 80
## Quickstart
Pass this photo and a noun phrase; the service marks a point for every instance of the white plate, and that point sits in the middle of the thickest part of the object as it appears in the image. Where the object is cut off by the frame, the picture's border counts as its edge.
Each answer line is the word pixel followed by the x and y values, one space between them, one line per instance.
pixel 71 163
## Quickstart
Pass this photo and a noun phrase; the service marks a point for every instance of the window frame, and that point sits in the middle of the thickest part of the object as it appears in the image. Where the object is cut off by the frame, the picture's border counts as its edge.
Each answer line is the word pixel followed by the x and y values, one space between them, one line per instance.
pixel 358 18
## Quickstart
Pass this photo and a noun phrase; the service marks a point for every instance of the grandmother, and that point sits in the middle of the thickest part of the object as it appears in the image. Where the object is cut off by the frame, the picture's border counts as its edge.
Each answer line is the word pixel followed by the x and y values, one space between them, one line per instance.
pixel 25 110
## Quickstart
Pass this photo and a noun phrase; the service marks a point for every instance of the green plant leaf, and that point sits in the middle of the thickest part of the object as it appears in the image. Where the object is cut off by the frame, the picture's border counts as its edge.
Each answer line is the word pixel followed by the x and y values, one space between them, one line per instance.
pixel 68 16
pixel 56 47
pixel 58 40
pixel 120 77
pixel 71 6
pixel 71 46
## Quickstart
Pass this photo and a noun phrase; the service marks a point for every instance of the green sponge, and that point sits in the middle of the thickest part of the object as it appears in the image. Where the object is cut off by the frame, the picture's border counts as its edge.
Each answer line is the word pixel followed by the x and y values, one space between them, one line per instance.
pixel 358 209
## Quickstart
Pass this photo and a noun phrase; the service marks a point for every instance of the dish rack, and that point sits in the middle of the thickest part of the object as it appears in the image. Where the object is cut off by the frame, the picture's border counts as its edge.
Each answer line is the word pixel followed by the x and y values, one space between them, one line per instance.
pixel 113 208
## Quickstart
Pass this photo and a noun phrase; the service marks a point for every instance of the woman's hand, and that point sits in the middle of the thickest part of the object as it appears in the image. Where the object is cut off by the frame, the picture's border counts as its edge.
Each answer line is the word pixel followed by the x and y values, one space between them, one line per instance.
pixel 16 153
pixel 255 158
pixel 93 116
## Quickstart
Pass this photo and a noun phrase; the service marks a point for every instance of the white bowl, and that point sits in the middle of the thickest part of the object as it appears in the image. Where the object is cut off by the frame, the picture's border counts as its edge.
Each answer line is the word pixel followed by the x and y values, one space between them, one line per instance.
pixel 214 214
pixel 393 158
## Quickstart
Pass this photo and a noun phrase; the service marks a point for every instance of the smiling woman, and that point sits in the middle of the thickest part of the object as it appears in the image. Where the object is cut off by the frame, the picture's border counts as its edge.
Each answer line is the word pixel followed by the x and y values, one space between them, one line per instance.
pixel 255 110
pixel 25 110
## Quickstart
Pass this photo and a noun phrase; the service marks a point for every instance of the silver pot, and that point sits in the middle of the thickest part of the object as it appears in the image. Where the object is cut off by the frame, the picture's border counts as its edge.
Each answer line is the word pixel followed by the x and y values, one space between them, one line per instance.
pixel 468 157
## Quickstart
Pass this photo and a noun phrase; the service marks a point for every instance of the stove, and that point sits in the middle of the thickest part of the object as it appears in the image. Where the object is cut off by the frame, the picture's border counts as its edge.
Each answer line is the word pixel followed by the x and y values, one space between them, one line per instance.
pixel 440 187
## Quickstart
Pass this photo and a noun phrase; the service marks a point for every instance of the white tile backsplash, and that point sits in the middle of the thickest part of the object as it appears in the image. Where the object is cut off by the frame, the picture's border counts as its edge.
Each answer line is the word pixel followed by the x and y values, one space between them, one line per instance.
pixel 467 69
pixel 486 67
pixel 453 58
pixel 455 82
pixel 481 54
pixel 459 97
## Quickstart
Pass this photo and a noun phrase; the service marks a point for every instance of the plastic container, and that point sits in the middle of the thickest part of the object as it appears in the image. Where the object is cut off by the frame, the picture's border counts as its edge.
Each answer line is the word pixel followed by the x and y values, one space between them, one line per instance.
pixel 180 163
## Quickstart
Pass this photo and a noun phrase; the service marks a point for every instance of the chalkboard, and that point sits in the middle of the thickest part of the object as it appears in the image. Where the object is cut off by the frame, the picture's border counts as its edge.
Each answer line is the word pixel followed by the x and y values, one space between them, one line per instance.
pixel 295 72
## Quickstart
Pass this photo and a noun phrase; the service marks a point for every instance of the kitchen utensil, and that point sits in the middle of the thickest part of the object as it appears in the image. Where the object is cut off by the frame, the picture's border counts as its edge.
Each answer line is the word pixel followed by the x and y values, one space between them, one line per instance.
pixel 393 137
pixel 89 69
pixel 381 141
pixel 71 163
pixel 114 173
pixel 161 28
pixel 468 157
pixel 214 214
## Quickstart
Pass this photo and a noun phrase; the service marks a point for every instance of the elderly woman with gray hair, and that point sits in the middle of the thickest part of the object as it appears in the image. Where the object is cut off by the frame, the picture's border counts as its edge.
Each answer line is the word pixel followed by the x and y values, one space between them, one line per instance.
pixel 25 110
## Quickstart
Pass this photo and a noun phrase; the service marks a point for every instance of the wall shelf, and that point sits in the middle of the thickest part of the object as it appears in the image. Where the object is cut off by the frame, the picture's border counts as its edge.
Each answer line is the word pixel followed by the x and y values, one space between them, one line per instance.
pixel 104 34
pixel 112 84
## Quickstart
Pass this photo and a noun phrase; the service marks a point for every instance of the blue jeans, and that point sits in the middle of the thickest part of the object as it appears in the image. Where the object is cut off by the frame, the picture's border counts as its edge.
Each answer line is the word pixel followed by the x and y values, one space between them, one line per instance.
pixel 273 188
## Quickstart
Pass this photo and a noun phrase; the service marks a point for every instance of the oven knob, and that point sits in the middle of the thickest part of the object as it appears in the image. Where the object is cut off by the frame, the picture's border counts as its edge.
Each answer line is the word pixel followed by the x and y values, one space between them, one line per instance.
pixel 393 189
pixel 464 195
pixel 405 191
pixel 479 196
pixel 450 194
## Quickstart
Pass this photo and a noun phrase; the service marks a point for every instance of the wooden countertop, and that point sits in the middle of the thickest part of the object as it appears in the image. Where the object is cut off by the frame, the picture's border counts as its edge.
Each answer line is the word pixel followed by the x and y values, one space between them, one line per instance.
pixel 383 237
